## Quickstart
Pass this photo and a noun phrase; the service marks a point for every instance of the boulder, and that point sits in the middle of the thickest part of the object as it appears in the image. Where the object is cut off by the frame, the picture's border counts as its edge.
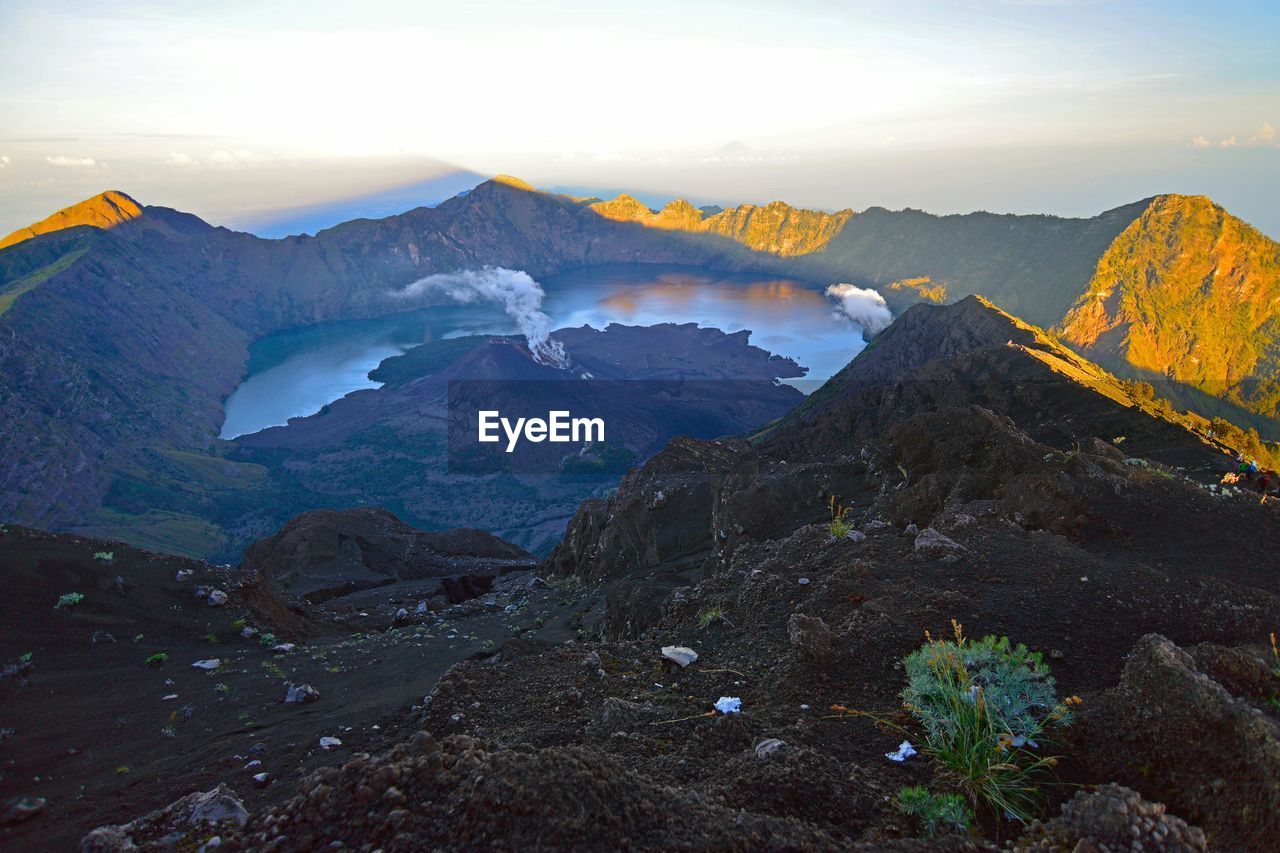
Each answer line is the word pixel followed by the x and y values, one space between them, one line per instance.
pixel 1173 730
pixel 301 693
pixel 1113 818
pixel 931 543
pixel 194 813
pixel 811 635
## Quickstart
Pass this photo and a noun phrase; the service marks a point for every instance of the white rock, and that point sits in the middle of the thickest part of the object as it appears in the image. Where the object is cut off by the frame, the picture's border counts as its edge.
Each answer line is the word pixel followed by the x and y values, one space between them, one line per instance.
pixel 680 654
pixel 217 598
pixel 211 663
pixel 768 747
pixel 301 693
pixel 283 647
pixel 329 742
pixel 856 536
pixel 728 705
pixel 931 543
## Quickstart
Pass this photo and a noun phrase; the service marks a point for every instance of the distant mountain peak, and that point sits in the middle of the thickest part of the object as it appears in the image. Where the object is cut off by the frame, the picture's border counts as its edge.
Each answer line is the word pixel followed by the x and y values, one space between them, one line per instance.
pixel 105 210
pixel 514 183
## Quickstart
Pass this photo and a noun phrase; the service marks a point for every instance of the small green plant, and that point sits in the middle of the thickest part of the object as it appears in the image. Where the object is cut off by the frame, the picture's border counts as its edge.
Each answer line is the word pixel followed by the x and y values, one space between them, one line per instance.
pixel 69 599
pixel 712 615
pixel 26 657
pixel 222 689
pixel 156 661
pixel 937 813
pixel 105 556
pixel 273 668
pixel 982 706
pixel 122 770
pixel 568 583
pixel 268 640
pixel 169 731
pixel 137 638
pixel 238 625
pixel 839 526
pixel 211 637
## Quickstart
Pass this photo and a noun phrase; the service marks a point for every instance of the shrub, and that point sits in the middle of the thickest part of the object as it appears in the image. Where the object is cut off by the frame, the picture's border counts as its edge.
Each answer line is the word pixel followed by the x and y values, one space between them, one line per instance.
pixel 1014 681
pixel 69 599
pixel 982 706
pixel 155 661
pixel 936 812
pixel 105 556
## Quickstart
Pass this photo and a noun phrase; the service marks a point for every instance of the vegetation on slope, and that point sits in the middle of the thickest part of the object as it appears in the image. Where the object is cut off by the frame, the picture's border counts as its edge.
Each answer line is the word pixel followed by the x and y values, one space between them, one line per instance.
pixel 1189 293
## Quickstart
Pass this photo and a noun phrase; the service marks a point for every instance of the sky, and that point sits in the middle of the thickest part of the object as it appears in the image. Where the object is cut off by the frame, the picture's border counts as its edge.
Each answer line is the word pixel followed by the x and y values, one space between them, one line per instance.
pixel 243 111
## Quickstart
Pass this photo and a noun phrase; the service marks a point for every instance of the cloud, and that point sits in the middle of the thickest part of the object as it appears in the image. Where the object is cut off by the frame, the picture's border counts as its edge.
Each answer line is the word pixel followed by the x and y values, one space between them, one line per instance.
pixel 1199 142
pixel 240 158
pixel 1266 135
pixel 4 161
pixel 234 159
pixel 74 162
pixel 863 306
pixel 1229 142
pixel 518 294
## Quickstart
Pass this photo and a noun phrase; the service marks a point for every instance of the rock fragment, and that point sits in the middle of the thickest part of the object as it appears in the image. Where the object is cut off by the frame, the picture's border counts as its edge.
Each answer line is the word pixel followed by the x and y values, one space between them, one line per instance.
pixel 682 655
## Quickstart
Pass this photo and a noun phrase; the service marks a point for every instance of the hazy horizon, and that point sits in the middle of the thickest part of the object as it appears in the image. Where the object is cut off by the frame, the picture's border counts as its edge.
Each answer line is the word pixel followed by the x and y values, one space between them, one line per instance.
pixel 264 116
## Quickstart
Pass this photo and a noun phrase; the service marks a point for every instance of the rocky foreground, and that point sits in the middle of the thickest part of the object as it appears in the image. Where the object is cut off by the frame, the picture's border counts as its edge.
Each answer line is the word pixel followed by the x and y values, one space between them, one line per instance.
pixel 989 477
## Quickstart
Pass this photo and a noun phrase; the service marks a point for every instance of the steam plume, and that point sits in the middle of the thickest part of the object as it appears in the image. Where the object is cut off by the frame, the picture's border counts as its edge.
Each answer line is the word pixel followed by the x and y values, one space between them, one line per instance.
pixel 863 306
pixel 518 294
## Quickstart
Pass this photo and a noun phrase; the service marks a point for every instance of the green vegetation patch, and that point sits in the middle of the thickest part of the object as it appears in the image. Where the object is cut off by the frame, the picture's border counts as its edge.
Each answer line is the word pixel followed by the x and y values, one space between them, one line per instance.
pixel 29 282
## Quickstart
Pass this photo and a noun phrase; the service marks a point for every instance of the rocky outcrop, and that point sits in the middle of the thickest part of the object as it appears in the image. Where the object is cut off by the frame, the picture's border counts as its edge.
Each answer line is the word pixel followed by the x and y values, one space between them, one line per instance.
pixel 1109 820
pixel 1173 731
pixel 324 553
pixel 192 820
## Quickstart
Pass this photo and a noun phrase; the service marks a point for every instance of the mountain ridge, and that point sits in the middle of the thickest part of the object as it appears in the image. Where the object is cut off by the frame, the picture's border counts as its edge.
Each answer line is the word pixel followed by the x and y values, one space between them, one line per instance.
pixel 165 305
